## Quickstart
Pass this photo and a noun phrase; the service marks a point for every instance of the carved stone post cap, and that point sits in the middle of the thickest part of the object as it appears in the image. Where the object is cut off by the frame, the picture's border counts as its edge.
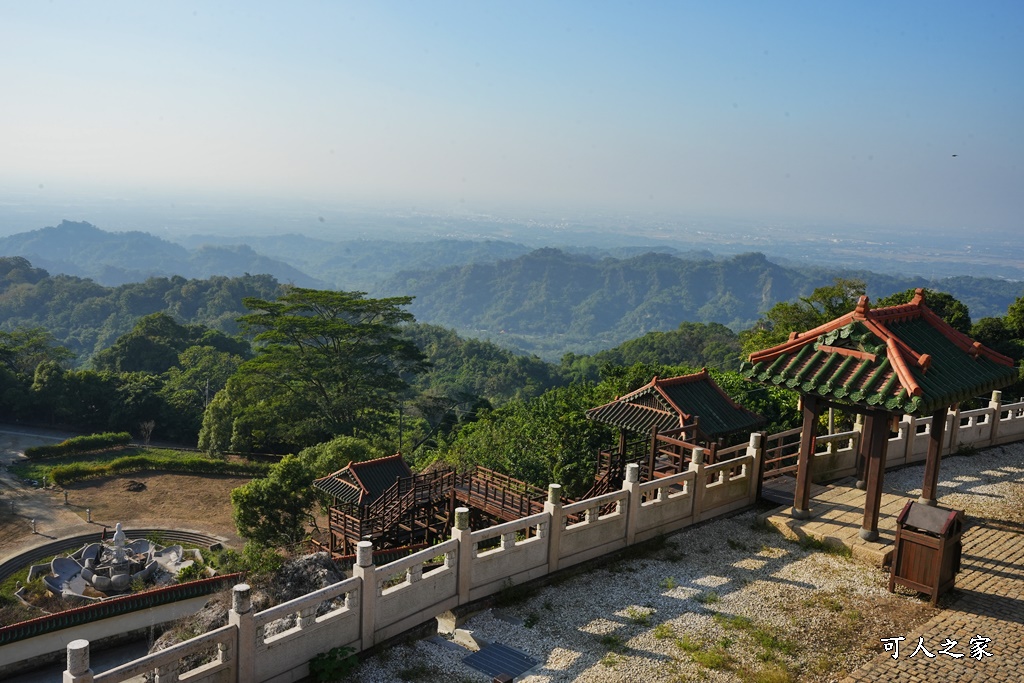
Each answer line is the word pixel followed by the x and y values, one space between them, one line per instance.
pixel 364 553
pixel 698 455
pixel 632 473
pixel 78 656
pixel 241 598
pixel 462 518
pixel 755 439
pixel 554 493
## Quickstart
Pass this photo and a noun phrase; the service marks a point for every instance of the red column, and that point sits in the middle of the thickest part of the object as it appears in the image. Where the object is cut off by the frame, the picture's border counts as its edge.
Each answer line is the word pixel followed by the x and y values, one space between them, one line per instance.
pixel 876 433
pixel 931 466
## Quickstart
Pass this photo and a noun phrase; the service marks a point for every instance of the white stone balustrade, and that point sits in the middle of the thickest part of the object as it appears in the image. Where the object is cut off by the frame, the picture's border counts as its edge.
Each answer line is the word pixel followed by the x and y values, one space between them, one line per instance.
pixel 529 548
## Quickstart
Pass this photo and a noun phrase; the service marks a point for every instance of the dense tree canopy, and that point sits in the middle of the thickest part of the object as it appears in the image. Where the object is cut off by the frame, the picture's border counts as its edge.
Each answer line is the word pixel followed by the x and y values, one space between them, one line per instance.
pixel 943 305
pixel 327 364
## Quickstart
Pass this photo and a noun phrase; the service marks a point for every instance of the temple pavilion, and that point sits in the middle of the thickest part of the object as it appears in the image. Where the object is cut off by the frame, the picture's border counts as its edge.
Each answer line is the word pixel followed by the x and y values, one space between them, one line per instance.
pixel 660 422
pixel 880 363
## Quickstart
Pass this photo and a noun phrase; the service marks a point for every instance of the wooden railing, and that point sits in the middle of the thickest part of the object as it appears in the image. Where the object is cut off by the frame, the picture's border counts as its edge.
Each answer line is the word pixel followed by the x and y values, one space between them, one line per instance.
pixel 780 453
pixel 498 495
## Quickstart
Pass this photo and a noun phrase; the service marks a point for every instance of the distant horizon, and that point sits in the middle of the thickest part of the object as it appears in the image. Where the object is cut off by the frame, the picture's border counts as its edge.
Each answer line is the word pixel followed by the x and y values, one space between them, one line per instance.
pixel 900 116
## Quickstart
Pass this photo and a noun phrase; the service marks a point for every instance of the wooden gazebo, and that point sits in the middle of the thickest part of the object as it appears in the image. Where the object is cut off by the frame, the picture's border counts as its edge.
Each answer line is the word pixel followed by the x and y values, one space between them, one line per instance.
pixel 691 401
pixel 669 418
pixel 880 363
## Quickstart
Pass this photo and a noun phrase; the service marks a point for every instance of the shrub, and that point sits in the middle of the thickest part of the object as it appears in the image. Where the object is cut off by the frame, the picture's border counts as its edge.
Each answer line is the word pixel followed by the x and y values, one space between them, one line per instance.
pixel 80 444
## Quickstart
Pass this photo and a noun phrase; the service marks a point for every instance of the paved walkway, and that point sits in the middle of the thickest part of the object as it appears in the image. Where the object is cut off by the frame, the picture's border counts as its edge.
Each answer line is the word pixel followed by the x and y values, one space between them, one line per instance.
pixel 990 606
pixel 985 614
pixel 837 513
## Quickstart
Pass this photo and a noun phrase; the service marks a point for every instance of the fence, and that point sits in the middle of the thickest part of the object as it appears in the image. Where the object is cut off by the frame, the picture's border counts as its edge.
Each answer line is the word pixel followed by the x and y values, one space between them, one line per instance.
pixel 378 603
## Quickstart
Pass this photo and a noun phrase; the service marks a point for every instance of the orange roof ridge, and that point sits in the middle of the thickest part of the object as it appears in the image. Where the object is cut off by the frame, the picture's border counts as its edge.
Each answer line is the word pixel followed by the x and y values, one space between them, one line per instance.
pixel 683 379
pixel 799 340
pixel 899 364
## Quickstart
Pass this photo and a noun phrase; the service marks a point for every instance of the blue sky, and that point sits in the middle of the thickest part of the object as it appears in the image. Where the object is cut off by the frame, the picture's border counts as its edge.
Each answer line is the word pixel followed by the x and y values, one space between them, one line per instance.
pixel 806 111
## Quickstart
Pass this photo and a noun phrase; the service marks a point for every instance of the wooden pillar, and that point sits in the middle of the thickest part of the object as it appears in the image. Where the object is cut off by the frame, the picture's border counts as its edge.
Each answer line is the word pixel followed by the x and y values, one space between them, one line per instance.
pixel 622 444
pixel 929 487
pixel 876 433
pixel 802 496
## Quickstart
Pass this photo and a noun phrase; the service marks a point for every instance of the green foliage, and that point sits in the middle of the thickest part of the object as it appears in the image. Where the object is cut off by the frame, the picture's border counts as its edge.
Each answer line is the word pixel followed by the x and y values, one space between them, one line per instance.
pixel 334 665
pixel 543 440
pixel 86 317
pixel 80 444
pixel 329 363
pixel 694 345
pixel 707 598
pixel 193 572
pixel 154 460
pixel 255 560
pixel 941 304
pixel 805 313
pixel 155 343
pixel 272 511
pixel 638 616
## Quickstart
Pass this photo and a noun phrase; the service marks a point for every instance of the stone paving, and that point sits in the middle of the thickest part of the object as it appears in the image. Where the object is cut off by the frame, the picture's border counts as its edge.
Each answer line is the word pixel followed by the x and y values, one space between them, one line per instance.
pixel 837 513
pixel 985 614
pixel 990 606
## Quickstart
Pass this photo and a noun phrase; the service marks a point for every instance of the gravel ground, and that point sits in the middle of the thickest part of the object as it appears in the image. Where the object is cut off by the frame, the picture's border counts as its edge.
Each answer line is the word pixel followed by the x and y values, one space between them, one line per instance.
pixel 724 601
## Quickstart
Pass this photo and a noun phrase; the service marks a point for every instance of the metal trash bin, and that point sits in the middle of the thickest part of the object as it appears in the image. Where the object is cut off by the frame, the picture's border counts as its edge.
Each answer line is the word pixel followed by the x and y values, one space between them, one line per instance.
pixel 928 547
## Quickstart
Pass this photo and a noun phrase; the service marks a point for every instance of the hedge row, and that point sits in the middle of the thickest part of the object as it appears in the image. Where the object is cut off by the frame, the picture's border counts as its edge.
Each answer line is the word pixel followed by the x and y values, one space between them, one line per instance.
pixel 194 464
pixel 80 444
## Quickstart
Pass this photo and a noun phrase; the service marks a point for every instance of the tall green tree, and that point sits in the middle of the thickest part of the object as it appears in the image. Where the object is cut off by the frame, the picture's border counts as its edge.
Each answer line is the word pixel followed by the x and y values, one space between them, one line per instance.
pixel 946 306
pixel 327 364
pixel 274 510
pixel 806 313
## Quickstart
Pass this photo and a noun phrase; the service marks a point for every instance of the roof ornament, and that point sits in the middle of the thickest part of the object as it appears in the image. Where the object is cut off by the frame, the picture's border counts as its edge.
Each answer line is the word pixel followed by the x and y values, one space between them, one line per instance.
pixel 918 297
pixel 863 305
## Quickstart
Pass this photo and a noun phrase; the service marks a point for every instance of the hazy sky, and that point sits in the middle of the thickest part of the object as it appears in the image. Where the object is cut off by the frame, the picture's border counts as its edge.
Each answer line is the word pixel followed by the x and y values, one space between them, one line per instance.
pixel 827 111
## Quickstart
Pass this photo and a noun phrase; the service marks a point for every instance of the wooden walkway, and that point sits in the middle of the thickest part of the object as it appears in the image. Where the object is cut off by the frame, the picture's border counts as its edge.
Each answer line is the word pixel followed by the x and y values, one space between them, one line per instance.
pixel 781 489
pixel 837 512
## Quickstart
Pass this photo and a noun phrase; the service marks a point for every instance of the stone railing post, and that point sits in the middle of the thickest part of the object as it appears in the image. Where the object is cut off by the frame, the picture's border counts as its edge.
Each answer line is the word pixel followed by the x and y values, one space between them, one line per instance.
pixel 995 406
pixel 632 486
pixel 700 482
pixel 755 451
pixel 908 432
pixel 367 573
pixel 241 617
pixel 78 670
pixel 953 429
pixel 464 563
pixel 553 507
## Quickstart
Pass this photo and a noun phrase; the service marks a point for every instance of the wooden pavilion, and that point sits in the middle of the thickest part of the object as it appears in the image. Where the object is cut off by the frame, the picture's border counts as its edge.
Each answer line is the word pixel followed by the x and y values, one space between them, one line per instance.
pixel 670 416
pixel 880 363
pixel 384 501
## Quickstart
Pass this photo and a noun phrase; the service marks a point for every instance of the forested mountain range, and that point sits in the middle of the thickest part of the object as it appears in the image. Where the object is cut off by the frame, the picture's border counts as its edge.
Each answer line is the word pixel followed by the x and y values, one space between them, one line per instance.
pixel 87 317
pixel 549 301
pixel 116 258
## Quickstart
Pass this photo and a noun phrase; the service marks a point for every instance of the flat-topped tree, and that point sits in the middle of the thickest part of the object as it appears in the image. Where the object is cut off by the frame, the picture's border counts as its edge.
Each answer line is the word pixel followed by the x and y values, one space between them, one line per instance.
pixel 880 362
pixel 326 364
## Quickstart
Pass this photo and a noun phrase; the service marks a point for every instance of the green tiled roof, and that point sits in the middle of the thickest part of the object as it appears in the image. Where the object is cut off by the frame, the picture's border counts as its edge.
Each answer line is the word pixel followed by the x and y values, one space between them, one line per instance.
pixel 677 402
pixel 361 483
pixel 900 358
